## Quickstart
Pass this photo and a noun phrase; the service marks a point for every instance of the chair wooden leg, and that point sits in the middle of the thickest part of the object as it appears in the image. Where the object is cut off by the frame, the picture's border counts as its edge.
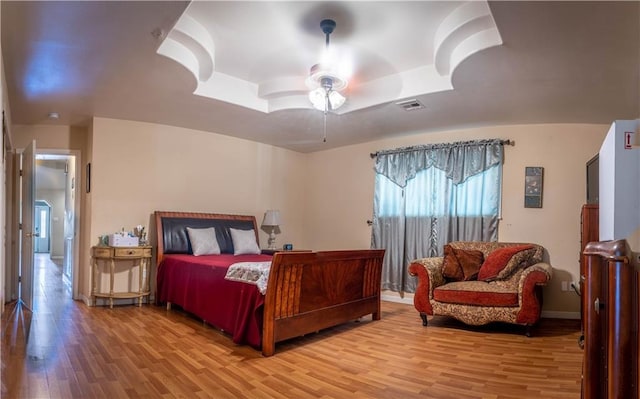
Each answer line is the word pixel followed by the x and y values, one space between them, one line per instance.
pixel 527 330
pixel 424 319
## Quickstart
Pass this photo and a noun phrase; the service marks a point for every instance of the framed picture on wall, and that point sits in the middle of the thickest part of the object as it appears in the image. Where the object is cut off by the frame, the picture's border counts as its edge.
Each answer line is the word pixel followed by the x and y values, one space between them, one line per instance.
pixel 533 184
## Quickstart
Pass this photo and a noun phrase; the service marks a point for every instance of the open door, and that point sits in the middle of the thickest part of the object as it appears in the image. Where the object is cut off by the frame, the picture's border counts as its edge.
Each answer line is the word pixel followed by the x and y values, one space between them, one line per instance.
pixel 27 220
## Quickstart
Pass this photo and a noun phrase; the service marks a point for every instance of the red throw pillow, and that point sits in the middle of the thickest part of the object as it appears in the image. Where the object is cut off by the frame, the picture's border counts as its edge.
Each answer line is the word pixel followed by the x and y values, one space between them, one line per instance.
pixel 470 262
pixel 451 269
pixel 497 260
pixel 460 264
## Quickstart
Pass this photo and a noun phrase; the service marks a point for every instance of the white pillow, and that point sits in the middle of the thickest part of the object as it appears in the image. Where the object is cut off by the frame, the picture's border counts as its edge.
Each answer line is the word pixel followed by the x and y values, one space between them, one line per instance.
pixel 244 242
pixel 203 241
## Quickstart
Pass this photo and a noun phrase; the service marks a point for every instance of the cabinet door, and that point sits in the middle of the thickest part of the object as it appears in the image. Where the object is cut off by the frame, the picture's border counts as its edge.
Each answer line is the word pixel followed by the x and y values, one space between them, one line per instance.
pixel 594 322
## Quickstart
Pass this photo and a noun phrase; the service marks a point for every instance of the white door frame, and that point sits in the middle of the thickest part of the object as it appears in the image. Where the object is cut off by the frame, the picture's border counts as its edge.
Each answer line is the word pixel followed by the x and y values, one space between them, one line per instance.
pixel 27 178
pixel 75 289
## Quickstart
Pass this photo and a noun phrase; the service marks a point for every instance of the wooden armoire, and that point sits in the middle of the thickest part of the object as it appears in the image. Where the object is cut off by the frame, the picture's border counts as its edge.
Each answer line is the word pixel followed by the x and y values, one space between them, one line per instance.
pixel 589 228
pixel 610 305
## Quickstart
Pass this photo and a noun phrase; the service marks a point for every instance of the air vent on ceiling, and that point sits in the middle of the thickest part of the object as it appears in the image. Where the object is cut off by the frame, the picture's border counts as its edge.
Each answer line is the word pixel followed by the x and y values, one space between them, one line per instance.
pixel 410 105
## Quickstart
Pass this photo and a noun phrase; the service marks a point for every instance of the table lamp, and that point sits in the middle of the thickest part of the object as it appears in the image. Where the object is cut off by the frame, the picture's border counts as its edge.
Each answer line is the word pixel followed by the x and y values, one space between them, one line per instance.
pixel 271 220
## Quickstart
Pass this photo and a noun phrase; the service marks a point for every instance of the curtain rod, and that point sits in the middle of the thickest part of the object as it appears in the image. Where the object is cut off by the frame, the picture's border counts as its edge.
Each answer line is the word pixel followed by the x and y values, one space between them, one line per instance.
pixel 415 148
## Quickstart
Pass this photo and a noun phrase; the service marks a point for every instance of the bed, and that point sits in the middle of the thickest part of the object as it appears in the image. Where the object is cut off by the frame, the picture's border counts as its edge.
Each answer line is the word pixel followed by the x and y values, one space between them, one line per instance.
pixel 305 291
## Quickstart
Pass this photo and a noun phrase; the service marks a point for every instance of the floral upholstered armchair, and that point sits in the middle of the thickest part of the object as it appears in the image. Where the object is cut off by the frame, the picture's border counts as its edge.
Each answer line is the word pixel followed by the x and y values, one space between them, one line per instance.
pixel 481 282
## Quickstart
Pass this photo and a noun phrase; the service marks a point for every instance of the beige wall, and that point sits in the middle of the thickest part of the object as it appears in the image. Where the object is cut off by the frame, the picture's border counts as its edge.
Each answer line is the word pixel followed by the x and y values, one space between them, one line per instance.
pixel 137 168
pixel 49 137
pixel 326 197
pixel 341 185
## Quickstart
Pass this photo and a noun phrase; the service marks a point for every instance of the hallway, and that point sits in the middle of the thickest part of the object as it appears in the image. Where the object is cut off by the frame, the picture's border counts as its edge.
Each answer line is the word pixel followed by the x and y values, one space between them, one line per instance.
pixel 51 289
pixel 30 341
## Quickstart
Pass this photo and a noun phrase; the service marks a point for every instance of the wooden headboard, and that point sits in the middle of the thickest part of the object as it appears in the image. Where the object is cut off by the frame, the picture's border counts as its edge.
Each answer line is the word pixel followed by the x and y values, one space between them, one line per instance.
pixel 172 230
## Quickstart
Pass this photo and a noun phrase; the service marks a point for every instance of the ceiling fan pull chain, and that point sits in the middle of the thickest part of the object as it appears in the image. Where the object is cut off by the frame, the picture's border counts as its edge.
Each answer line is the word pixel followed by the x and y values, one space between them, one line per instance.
pixel 324 127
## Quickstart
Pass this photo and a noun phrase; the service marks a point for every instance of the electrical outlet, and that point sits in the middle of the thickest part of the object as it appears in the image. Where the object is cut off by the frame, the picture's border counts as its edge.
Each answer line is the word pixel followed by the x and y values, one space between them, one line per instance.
pixel 565 286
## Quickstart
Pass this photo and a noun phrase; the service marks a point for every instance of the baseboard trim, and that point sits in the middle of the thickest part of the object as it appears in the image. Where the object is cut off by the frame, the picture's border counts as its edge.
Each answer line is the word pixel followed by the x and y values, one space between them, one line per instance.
pixel 553 314
pixel 85 299
pixel 397 299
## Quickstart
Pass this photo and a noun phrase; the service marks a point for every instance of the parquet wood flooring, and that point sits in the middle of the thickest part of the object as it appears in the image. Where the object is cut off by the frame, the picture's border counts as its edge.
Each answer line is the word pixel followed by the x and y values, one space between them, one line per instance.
pixel 74 351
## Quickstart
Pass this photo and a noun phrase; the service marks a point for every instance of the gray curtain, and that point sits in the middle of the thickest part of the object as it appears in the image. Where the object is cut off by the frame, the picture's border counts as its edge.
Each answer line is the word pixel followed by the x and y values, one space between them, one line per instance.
pixel 430 195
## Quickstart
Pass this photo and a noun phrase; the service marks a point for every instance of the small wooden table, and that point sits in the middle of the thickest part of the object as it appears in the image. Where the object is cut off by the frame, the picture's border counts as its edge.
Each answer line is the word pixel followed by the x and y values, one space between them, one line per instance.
pixel 111 255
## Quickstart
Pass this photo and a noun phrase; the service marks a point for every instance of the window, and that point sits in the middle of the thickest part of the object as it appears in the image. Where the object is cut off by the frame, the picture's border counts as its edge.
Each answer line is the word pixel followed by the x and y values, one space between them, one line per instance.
pixel 426 197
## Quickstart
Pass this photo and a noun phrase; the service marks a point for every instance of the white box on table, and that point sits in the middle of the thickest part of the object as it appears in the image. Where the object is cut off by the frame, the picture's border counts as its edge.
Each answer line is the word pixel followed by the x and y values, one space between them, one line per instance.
pixel 118 240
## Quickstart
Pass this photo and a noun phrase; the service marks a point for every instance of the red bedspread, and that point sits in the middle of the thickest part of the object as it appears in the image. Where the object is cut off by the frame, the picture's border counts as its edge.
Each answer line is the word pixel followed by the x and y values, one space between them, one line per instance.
pixel 197 284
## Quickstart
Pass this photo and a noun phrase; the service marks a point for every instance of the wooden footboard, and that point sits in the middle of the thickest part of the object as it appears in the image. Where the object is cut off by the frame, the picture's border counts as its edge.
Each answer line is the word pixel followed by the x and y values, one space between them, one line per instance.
pixel 308 292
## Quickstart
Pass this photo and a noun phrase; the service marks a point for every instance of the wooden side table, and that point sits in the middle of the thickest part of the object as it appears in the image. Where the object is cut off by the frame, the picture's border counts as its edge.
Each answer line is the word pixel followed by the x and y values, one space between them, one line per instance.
pixel 110 255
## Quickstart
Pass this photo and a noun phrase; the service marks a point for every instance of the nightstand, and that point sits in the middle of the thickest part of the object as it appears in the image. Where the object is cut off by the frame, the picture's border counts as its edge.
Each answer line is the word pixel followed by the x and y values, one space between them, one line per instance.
pixel 138 256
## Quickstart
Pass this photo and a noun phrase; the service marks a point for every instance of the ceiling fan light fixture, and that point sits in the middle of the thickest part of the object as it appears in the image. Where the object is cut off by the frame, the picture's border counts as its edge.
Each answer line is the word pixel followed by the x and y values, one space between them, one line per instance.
pixel 319 98
pixel 336 100
pixel 325 78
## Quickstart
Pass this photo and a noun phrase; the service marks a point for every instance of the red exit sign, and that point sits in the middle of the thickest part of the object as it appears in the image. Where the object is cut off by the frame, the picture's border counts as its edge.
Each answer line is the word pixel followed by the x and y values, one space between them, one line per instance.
pixel 628 138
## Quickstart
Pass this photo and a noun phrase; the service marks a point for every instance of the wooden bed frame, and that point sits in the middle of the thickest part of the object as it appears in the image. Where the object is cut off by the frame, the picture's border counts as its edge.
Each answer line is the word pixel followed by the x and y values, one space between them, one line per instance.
pixel 307 291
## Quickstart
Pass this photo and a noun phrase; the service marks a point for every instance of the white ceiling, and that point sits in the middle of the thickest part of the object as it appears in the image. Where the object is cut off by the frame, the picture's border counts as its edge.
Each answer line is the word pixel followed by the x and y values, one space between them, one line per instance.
pixel 264 65
pixel 559 62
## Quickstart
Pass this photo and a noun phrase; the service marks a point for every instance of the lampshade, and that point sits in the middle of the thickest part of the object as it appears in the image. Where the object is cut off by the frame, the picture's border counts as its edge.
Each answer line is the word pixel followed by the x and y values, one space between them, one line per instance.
pixel 271 218
pixel 318 98
pixel 336 99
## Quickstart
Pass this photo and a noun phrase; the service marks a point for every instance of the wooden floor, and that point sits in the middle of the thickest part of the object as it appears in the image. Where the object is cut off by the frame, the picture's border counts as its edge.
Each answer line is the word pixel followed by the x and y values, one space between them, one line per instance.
pixel 69 350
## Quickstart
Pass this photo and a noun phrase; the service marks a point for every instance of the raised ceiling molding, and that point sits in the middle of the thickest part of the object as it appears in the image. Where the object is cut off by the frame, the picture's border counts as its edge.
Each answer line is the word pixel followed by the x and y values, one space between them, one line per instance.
pixel 190 44
pixel 464 31
pixel 467 30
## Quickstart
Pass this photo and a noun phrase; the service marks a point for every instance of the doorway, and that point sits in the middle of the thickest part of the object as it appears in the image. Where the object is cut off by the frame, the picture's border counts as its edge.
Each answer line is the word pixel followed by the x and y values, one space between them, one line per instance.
pixel 56 215
pixel 42 221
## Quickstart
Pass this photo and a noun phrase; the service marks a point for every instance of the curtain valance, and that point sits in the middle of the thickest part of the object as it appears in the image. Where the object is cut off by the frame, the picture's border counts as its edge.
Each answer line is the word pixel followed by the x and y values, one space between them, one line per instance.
pixel 460 160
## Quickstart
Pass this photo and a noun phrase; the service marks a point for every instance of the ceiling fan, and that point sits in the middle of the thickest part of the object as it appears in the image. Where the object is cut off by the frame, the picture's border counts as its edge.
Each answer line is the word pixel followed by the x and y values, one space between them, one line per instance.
pixel 327 78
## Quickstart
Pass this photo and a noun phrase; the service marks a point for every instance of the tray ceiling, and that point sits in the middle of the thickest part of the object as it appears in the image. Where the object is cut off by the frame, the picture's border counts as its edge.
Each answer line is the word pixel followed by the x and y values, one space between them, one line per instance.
pixel 238 68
